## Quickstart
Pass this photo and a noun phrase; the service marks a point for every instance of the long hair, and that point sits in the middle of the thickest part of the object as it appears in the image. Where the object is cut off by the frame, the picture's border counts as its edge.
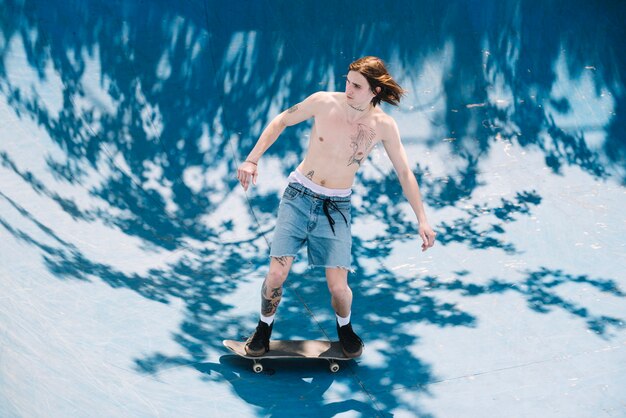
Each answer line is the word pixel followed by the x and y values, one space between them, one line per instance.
pixel 374 70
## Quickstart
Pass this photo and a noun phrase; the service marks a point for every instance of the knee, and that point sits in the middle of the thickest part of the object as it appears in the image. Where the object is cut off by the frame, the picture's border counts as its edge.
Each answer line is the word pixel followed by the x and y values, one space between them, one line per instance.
pixel 276 277
pixel 338 289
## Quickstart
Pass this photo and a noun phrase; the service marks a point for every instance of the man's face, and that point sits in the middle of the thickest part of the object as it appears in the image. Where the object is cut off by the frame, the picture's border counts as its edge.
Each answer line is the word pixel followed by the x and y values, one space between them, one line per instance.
pixel 358 91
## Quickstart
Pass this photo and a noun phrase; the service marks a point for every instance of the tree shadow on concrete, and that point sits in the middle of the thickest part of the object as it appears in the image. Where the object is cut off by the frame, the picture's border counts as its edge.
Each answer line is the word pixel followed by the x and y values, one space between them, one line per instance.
pixel 540 289
pixel 191 84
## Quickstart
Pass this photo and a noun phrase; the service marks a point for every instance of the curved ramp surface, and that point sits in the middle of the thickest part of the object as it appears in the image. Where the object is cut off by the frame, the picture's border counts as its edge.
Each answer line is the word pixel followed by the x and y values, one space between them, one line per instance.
pixel 128 251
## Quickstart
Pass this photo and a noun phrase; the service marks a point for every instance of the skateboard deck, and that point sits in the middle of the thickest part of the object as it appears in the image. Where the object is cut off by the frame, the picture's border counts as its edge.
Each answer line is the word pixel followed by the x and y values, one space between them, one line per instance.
pixel 293 349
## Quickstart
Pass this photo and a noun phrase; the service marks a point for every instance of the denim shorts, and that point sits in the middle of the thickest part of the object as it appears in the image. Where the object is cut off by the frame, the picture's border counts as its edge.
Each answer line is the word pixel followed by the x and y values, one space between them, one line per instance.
pixel 321 222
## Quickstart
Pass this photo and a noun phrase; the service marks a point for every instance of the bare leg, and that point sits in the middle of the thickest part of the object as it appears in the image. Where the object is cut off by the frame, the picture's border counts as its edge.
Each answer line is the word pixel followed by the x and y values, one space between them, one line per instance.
pixel 271 294
pixel 272 290
pixel 341 299
pixel 341 295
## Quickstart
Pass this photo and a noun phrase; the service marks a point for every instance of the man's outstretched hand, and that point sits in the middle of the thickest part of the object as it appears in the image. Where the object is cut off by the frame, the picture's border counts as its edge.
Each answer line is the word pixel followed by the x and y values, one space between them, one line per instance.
pixel 428 236
pixel 246 173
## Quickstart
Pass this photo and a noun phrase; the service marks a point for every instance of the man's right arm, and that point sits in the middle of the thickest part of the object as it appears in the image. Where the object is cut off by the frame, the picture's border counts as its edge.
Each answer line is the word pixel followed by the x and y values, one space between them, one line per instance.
pixel 298 113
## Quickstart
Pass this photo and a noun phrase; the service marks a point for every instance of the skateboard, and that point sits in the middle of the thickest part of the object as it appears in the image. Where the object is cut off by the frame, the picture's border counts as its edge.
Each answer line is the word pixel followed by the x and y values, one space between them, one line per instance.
pixel 293 349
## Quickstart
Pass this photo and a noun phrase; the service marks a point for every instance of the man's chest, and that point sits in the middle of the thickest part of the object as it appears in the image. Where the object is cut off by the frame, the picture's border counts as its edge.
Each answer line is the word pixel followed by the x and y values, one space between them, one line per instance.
pixel 353 140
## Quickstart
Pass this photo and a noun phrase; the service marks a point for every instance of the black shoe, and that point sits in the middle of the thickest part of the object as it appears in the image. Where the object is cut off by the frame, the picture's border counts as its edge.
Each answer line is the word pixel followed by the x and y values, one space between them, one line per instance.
pixel 351 344
pixel 259 343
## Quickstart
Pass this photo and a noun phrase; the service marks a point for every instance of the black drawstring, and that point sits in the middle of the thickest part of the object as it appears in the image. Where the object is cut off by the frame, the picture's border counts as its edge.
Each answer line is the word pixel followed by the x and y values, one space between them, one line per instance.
pixel 333 205
pixel 327 202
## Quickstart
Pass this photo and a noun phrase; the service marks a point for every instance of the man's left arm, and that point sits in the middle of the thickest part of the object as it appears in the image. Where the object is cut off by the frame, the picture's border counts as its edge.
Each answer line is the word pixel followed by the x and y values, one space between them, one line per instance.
pixel 410 188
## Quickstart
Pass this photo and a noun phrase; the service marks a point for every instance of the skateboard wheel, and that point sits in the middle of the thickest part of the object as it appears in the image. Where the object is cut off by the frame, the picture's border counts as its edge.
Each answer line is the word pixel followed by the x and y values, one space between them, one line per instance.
pixel 257 367
pixel 334 367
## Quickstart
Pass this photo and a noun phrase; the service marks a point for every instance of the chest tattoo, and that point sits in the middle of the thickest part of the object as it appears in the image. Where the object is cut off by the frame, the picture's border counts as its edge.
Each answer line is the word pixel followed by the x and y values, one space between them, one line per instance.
pixel 360 143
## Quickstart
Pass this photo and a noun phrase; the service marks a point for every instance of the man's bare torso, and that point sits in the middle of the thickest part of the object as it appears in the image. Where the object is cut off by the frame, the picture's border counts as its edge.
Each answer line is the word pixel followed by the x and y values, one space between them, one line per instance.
pixel 337 145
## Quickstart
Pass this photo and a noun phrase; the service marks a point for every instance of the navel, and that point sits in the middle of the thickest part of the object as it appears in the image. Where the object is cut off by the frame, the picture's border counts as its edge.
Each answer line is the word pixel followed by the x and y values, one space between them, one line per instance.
pixel 321 139
pixel 323 182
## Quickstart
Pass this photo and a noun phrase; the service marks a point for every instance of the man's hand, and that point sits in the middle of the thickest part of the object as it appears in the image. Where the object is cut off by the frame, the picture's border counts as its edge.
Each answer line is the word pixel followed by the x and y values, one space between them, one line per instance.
pixel 247 172
pixel 428 236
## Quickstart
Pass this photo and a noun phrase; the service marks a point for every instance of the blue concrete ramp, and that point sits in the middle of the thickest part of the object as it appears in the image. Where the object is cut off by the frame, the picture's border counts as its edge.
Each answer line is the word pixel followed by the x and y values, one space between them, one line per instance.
pixel 128 251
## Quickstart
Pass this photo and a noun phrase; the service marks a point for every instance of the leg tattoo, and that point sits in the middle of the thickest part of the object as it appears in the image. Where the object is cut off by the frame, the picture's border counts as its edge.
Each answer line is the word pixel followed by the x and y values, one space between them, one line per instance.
pixel 281 260
pixel 269 303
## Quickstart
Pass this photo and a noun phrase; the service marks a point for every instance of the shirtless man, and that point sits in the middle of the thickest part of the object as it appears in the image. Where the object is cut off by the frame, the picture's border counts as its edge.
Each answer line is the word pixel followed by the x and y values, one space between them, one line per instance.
pixel 315 207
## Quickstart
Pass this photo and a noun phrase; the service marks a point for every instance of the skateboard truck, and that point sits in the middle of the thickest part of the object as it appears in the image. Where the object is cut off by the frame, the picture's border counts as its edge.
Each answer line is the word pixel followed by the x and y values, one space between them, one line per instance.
pixel 333 366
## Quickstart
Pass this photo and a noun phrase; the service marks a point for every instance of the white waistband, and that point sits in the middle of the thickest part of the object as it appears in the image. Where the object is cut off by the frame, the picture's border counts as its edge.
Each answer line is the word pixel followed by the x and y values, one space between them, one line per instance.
pixel 298 177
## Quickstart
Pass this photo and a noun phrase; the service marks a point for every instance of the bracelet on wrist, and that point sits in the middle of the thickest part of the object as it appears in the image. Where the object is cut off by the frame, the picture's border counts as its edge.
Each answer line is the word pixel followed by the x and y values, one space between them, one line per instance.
pixel 251 162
